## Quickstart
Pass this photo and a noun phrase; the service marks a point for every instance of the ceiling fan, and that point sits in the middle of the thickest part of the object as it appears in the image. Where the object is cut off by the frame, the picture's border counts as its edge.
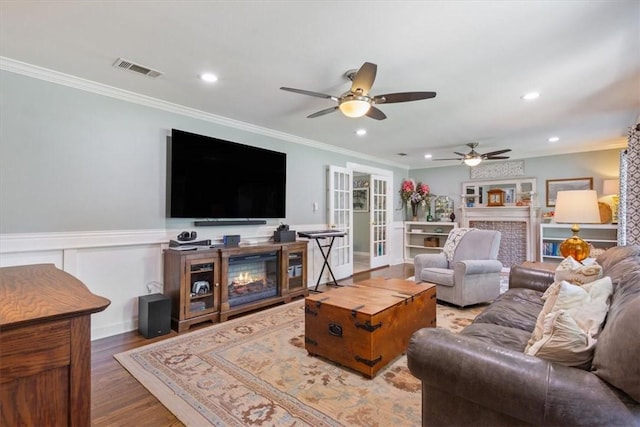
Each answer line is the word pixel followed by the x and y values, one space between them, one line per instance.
pixel 473 158
pixel 357 102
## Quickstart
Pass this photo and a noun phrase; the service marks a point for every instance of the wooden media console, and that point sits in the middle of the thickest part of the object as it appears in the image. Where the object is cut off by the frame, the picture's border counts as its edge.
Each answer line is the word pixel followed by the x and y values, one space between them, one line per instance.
pixel 213 284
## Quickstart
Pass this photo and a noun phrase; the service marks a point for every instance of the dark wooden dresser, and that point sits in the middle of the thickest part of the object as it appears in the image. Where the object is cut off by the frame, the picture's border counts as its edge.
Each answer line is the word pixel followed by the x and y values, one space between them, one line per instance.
pixel 45 347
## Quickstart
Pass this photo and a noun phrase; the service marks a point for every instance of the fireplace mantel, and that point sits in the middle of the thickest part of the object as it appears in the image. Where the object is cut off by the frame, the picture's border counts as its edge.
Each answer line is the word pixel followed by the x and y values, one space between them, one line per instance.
pixel 529 215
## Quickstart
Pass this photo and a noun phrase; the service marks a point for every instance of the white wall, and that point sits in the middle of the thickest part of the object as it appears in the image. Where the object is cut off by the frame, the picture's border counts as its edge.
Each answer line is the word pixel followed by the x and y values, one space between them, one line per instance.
pixel 123 265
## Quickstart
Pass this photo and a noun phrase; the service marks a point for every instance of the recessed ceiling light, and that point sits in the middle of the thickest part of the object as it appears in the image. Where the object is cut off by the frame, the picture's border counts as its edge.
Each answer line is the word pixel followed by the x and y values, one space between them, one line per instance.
pixel 361 132
pixel 554 139
pixel 428 156
pixel 209 78
pixel 531 95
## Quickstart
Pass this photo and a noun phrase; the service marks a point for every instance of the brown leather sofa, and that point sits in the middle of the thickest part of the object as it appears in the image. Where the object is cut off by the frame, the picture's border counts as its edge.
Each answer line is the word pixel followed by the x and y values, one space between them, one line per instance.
pixel 482 377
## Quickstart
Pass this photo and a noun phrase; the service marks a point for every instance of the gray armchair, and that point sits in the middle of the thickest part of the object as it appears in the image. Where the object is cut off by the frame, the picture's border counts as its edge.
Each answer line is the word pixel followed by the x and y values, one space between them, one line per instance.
pixel 469 273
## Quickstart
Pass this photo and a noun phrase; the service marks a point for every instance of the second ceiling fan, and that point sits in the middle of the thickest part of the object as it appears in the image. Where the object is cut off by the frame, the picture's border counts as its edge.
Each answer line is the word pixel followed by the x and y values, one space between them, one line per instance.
pixel 473 158
pixel 357 102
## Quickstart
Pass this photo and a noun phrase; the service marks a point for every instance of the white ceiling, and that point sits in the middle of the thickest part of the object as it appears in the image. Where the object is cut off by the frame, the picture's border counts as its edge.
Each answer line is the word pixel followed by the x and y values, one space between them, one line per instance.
pixel 583 56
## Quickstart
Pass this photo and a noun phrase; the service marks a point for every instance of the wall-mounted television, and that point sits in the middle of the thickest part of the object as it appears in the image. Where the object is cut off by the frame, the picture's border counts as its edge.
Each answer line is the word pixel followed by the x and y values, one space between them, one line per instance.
pixel 217 179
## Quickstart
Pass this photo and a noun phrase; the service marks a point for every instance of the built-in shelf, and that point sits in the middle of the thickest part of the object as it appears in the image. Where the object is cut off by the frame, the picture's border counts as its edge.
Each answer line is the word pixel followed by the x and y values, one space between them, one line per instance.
pixel 421 237
pixel 601 236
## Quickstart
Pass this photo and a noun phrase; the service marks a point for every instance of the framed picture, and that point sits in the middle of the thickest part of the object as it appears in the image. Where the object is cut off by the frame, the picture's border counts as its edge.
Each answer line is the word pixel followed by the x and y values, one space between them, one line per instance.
pixel 555 185
pixel 361 199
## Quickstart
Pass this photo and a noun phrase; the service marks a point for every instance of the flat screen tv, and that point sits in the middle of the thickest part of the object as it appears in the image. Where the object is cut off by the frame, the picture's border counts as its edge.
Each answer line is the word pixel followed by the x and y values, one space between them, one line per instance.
pixel 213 178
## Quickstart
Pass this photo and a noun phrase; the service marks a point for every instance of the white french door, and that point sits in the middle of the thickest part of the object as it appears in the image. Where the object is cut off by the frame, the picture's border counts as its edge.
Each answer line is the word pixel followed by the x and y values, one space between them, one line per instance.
pixel 340 217
pixel 379 220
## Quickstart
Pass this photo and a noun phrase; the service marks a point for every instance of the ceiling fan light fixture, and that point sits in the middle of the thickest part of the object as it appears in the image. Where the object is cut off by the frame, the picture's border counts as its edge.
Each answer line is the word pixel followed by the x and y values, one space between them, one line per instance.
pixel 472 161
pixel 530 96
pixel 355 106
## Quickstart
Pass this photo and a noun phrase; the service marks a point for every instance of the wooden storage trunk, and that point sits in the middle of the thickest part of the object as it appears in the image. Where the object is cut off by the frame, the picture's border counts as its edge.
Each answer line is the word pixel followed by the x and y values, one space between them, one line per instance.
pixel 367 325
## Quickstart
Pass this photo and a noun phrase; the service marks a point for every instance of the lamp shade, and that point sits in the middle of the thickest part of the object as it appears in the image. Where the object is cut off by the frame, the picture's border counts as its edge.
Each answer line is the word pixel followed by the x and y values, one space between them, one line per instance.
pixel 577 207
pixel 610 186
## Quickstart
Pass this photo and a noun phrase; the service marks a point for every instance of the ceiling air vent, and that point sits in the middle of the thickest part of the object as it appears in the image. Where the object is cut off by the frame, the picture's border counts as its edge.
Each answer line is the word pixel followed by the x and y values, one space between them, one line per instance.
pixel 136 68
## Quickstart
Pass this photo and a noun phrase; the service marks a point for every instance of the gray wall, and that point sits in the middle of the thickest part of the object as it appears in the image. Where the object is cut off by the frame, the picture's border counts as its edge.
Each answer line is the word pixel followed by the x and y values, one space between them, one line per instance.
pixel 72 160
pixel 597 164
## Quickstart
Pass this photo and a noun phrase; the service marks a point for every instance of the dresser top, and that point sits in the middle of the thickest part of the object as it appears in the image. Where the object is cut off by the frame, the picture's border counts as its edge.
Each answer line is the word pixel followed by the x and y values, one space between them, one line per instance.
pixel 33 293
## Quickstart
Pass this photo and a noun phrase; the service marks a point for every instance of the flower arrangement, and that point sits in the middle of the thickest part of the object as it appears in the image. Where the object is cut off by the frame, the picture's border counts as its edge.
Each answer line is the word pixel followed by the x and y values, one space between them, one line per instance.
pixel 414 194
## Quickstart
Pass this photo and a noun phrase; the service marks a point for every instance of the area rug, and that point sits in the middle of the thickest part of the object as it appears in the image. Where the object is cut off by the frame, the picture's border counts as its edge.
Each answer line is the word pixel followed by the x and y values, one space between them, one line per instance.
pixel 254 370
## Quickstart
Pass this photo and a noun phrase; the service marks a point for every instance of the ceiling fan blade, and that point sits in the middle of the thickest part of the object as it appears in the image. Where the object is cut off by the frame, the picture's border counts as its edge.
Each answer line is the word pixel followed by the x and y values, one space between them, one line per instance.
pixel 495 157
pixel 308 92
pixel 459 154
pixel 493 153
pixel 402 97
pixel 375 113
pixel 364 78
pixel 448 159
pixel 322 112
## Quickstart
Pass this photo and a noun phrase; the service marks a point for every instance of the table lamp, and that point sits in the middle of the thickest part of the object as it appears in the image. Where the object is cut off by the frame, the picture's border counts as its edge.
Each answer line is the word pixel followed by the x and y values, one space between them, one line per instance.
pixel 611 188
pixel 576 207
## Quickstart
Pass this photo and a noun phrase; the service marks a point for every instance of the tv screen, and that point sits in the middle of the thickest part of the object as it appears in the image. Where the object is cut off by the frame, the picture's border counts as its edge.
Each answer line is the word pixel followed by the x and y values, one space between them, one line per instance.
pixel 213 178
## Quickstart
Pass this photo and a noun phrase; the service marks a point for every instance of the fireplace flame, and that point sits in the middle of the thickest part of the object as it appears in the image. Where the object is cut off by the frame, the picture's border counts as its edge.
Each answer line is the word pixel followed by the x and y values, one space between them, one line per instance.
pixel 244 278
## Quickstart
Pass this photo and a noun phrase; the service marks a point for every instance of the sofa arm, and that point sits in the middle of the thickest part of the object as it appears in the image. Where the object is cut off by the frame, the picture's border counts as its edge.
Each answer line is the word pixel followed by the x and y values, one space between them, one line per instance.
pixel 484 266
pixel 421 261
pixel 530 278
pixel 523 387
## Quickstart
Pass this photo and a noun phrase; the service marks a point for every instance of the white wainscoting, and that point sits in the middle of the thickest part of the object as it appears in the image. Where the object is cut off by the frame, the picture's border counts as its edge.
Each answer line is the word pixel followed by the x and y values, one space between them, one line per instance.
pixel 123 265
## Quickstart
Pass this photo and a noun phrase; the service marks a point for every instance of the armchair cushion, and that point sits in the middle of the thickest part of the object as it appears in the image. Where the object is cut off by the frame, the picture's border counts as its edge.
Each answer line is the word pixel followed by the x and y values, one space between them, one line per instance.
pixel 440 276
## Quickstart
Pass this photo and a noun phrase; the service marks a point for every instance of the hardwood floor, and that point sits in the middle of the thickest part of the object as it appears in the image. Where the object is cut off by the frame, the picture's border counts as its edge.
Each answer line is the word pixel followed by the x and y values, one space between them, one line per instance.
pixel 118 399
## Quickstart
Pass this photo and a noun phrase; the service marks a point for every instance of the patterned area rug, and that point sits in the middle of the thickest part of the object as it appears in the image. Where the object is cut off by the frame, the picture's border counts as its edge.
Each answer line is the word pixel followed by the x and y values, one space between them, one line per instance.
pixel 254 370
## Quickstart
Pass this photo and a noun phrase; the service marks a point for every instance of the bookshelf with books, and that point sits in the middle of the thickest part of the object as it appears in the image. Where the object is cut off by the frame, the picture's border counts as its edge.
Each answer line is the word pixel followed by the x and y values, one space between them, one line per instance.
pixel 600 236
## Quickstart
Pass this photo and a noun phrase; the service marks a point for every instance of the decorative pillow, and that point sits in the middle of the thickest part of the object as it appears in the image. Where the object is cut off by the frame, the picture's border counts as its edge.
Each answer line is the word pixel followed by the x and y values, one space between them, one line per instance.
pixel 570 321
pixel 579 274
pixel 550 296
pixel 563 341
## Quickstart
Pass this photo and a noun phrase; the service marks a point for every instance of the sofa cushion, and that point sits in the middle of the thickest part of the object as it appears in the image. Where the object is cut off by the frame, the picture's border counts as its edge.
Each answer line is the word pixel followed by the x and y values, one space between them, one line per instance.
pixel 569 323
pixel 503 336
pixel 574 272
pixel 517 308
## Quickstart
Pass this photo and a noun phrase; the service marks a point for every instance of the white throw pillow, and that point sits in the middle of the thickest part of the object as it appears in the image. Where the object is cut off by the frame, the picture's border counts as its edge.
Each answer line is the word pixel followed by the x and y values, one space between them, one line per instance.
pixel 570 321
pixel 578 273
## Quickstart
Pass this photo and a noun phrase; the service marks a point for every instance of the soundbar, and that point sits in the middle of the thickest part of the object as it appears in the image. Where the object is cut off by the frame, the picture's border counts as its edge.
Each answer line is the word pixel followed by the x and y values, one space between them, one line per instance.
pixel 230 222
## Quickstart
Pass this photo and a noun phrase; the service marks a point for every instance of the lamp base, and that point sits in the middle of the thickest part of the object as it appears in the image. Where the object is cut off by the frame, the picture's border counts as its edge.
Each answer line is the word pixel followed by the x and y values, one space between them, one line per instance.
pixel 575 247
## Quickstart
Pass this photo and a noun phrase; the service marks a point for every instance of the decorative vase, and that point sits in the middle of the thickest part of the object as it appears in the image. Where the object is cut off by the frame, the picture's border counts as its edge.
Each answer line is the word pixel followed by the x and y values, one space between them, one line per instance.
pixel 452 217
pixel 429 217
pixel 414 211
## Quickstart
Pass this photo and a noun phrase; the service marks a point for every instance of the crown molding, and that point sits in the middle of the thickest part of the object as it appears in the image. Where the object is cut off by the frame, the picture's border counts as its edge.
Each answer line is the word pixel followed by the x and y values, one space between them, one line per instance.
pixel 34 71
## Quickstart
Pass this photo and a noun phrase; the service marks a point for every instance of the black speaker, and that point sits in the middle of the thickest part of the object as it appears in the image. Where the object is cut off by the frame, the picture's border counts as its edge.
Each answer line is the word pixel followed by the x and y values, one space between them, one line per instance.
pixel 154 315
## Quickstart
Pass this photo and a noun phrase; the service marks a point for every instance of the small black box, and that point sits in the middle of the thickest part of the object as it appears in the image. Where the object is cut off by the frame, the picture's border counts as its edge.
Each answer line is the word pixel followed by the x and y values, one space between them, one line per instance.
pixel 284 236
pixel 154 315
